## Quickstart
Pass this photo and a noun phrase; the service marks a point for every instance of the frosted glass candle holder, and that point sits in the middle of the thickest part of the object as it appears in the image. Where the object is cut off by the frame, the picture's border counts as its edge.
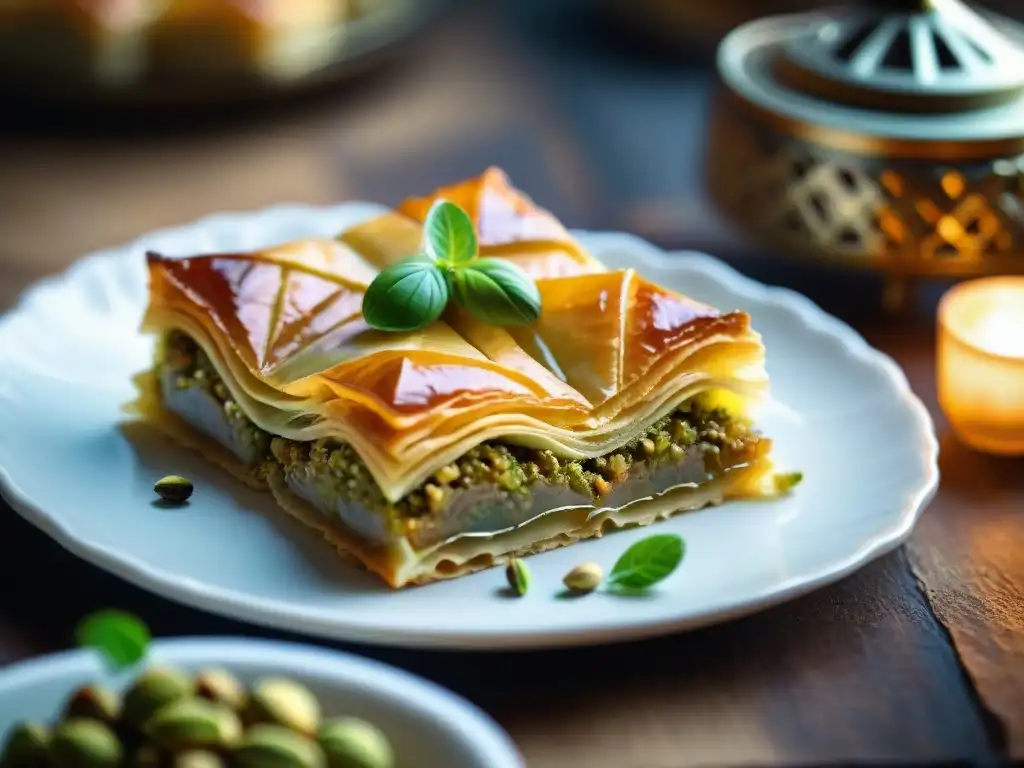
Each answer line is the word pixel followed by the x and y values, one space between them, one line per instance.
pixel 980 360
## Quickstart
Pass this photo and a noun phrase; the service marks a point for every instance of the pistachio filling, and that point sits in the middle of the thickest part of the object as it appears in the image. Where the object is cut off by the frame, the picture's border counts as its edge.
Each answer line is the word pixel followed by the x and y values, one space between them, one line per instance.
pixel 705 441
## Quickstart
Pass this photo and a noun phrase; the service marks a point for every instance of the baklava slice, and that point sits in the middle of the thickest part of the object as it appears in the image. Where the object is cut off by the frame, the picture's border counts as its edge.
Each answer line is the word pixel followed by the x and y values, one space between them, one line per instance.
pixel 431 454
pixel 81 40
pixel 279 40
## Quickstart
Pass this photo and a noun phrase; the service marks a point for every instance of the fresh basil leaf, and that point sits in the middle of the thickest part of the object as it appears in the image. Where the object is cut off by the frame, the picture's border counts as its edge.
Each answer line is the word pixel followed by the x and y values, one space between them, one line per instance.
pixel 496 292
pixel 120 637
pixel 406 296
pixel 450 235
pixel 647 562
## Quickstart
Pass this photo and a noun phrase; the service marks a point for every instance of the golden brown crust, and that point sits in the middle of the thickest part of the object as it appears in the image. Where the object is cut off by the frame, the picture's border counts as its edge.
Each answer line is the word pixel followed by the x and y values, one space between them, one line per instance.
pixel 610 353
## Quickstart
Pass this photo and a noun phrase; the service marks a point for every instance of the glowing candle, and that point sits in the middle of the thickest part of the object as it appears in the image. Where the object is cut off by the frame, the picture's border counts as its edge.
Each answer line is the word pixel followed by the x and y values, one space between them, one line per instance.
pixel 981 363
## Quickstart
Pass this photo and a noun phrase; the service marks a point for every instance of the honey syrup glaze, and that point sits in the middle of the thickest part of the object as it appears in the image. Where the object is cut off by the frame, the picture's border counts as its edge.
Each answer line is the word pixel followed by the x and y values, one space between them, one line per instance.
pixel 609 350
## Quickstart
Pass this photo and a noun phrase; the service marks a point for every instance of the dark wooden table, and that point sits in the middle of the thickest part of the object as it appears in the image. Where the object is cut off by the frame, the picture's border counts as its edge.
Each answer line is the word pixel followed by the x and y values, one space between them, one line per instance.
pixel 919 656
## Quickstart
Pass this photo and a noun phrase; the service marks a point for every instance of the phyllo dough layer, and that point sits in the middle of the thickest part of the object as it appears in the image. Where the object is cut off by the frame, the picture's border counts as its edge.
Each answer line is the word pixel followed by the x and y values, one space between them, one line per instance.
pixel 617 371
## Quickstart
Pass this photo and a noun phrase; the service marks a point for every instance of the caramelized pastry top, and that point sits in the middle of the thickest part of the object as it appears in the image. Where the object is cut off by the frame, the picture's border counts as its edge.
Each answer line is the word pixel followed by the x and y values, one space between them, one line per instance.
pixel 610 353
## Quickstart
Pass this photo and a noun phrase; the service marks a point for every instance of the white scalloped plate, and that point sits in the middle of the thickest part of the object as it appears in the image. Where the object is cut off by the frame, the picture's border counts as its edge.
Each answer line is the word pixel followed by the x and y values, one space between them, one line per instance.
pixel 69 350
pixel 427 726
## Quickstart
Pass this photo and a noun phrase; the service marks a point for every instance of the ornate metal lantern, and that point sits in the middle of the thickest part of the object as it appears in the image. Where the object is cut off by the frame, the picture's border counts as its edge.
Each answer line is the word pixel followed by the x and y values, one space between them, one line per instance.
pixel 889 137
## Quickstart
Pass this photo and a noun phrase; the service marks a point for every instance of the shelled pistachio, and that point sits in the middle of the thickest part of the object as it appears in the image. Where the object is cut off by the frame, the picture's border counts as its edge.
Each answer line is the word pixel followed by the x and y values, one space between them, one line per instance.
pixel 82 742
pixel 155 688
pixel 221 686
pixel 279 701
pixel 275 746
pixel 198 758
pixel 193 723
pixel 349 742
pixel 96 702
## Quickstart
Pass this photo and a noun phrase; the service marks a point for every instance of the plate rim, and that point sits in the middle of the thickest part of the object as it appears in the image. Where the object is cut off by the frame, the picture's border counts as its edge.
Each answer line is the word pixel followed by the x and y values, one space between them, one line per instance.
pixel 484 733
pixel 275 614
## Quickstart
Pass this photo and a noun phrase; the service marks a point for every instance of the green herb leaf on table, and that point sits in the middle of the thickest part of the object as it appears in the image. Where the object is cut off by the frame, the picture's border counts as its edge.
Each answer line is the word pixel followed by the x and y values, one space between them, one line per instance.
pixel 120 637
pixel 450 235
pixel 406 296
pixel 496 292
pixel 647 562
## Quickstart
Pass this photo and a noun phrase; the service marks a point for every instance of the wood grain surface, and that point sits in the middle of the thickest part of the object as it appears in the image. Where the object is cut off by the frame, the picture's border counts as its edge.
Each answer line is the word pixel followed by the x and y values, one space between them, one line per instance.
pixel 918 657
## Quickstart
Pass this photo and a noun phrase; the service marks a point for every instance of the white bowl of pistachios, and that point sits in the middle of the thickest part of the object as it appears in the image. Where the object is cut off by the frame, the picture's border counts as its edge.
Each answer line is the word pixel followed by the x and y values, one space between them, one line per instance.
pixel 237 703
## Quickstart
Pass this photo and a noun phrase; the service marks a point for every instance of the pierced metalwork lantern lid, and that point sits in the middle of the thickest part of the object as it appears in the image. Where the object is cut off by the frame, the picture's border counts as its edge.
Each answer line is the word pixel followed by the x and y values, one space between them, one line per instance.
pixel 902 69
pixel 889 138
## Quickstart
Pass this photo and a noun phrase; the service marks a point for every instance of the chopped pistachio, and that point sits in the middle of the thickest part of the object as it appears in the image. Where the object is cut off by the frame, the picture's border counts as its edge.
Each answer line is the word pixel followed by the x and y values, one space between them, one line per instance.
pixel 338 474
pixel 447 474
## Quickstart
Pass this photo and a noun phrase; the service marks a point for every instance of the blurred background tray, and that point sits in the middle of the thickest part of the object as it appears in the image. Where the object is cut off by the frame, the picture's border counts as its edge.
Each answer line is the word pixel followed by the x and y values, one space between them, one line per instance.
pixel 77 60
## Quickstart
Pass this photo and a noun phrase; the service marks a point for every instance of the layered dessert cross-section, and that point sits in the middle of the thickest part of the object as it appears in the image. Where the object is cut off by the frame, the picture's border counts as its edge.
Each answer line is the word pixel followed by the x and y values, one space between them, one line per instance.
pixel 430 454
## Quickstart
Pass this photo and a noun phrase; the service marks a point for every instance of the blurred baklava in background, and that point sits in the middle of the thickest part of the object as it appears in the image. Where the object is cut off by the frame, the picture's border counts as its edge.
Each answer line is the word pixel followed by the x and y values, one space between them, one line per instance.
pixel 132 44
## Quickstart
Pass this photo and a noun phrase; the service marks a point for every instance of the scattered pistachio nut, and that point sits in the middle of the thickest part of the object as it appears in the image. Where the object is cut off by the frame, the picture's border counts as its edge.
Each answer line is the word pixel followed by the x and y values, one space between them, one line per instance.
pixel 221 686
pixel 584 578
pixel 518 575
pixel 154 689
pixel 82 742
pixel 193 723
pixel 198 758
pixel 279 701
pixel 96 702
pixel 352 743
pixel 174 489
pixel 28 746
pixel 276 746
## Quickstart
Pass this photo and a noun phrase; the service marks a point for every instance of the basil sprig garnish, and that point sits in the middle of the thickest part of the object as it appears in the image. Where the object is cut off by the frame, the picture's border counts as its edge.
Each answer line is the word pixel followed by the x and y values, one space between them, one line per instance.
pixel 496 292
pixel 414 292
pixel 409 295
pixel 450 236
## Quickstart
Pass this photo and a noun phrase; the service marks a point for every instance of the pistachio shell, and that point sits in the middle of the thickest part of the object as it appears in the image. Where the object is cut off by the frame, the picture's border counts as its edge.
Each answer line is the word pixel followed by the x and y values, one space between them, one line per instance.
pixel 96 702
pixel 352 743
pixel 222 687
pixel 174 489
pixel 27 747
pixel 275 746
pixel 154 689
pixel 85 743
pixel 193 724
pixel 198 758
pixel 279 701
pixel 584 578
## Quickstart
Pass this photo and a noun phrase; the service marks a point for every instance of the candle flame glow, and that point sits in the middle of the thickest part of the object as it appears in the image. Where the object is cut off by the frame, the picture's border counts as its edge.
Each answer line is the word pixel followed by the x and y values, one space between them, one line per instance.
pixel 1000 330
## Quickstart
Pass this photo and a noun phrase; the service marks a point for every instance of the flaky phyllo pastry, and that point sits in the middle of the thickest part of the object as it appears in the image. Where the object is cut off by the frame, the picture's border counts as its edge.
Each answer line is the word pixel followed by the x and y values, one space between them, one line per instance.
pixel 431 454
